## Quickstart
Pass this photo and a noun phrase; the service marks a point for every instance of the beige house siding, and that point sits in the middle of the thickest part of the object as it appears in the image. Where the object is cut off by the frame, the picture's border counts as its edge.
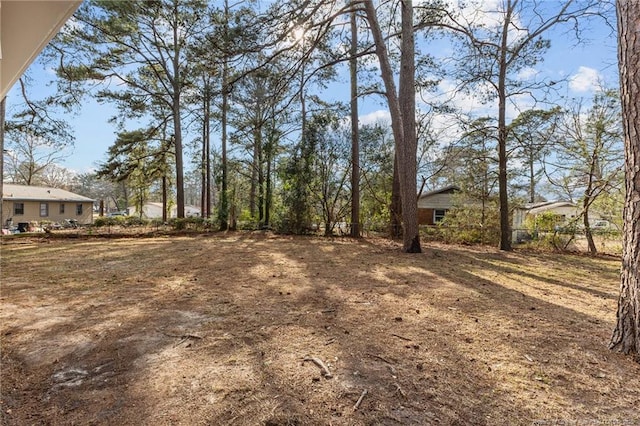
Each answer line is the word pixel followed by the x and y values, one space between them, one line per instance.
pixel 52 210
pixel 436 201
pixel 23 204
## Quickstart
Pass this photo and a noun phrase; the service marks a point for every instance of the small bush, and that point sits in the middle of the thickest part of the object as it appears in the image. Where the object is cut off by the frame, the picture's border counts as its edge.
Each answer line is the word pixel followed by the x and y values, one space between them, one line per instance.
pixel 135 221
pixel 109 221
pixel 179 224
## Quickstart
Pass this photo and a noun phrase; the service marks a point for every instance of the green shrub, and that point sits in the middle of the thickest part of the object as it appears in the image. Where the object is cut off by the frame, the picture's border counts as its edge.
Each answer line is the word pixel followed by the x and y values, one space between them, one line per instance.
pixel 465 225
pixel 135 221
pixel 179 224
pixel 109 221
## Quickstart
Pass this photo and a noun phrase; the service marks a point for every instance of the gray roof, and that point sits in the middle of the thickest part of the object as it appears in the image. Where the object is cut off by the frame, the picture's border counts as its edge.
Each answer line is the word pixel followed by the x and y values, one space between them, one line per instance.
pixel 40 193
pixel 550 205
pixel 447 189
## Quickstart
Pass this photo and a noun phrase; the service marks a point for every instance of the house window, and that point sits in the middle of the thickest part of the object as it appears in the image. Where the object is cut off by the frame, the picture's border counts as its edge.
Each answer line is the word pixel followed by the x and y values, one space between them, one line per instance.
pixel 61 208
pixel 44 209
pixel 438 215
pixel 78 209
pixel 18 209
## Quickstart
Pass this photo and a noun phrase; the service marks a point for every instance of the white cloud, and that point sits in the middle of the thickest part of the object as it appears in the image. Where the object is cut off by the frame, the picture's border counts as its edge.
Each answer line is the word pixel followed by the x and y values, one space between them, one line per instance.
pixel 375 117
pixel 527 73
pixel 585 80
pixel 465 102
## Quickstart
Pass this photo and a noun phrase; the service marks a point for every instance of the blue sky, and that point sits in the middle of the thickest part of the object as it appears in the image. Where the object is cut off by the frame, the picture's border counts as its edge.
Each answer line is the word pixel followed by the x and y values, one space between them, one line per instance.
pixel 582 67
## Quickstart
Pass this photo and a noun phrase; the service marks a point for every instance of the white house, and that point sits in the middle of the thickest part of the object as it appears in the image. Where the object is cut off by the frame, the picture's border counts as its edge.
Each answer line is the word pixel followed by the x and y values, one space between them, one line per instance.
pixel 564 211
pixel 154 211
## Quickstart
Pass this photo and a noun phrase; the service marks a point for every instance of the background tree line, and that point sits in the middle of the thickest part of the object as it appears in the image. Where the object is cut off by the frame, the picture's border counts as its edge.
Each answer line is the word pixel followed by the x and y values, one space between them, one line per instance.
pixel 221 105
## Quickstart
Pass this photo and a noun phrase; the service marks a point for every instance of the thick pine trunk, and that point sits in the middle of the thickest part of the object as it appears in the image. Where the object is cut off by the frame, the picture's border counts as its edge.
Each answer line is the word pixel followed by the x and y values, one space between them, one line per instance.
pixel 177 122
pixel 407 159
pixel 396 206
pixel 505 228
pixel 223 212
pixel 402 118
pixel 626 336
pixel 355 142
pixel 203 167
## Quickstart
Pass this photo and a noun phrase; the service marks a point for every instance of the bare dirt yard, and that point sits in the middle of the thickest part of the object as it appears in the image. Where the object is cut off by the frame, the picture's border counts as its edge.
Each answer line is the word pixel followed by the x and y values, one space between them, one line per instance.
pixel 259 329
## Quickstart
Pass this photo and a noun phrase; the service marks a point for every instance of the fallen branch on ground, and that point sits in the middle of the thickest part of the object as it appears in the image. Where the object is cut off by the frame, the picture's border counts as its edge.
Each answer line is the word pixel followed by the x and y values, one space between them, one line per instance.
pixel 317 361
pixel 181 336
pixel 381 358
pixel 364 393
pixel 402 337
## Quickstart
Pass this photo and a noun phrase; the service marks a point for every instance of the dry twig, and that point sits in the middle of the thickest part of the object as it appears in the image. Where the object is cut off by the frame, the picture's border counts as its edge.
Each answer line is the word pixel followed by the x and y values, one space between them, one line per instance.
pixel 357 405
pixel 317 361
pixel 402 337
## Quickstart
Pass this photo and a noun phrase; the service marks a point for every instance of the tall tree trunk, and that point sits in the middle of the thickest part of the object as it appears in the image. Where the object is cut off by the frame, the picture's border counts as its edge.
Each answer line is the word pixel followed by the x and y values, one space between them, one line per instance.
pixel 223 208
pixel 268 195
pixel 203 159
pixel 164 199
pixel 405 144
pixel 260 171
pixel 179 164
pixel 177 124
pixel 355 142
pixel 626 336
pixel 207 162
pixel 586 203
pixel 532 180
pixel 253 188
pixel 407 159
pixel 505 228
pixel 223 213
pixel 395 209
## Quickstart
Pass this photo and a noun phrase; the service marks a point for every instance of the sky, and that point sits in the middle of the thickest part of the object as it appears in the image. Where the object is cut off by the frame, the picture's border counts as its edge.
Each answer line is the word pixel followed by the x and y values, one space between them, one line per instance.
pixel 579 68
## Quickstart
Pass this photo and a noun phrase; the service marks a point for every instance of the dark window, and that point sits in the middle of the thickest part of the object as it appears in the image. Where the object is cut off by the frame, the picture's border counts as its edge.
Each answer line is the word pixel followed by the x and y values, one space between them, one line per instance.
pixel 44 209
pixel 438 215
pixel 78 209
pixel 61 208
pixel 18 209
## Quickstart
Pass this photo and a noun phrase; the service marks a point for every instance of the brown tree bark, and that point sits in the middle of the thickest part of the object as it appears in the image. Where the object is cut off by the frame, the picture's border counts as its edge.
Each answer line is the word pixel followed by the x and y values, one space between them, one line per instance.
pixel 407 165
pixel 395 208
pixel 355 138
pixel 626 336
pixel 505 223
pixel 402 117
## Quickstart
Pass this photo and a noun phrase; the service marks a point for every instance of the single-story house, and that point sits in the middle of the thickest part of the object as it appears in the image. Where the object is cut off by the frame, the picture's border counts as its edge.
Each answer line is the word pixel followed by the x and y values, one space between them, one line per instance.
pixel 564 212
pixel 154 211
pixel 433 205
pixel 24 204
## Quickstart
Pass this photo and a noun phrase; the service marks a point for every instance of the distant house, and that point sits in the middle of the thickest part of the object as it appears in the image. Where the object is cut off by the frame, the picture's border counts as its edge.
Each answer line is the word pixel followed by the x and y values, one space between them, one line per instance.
pixel 433 205
pixel 564 212
pixel 24 204
pixel 154 211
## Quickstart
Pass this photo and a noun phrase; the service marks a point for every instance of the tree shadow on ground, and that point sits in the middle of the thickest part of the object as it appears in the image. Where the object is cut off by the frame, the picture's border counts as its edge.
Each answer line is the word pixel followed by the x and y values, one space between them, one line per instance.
pixel 215 330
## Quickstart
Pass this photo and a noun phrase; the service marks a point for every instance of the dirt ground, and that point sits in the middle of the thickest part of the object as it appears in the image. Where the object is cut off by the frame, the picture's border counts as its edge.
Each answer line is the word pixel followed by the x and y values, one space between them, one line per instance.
pixel 237 329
